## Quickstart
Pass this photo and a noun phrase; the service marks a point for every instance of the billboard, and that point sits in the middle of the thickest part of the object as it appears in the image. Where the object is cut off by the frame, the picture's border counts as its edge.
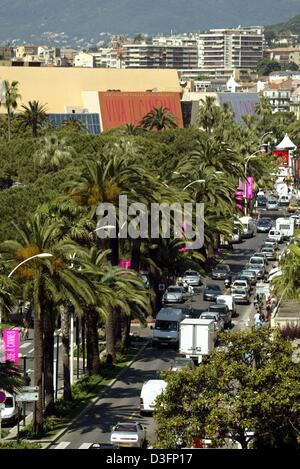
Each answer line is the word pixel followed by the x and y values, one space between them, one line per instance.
pixel 119 108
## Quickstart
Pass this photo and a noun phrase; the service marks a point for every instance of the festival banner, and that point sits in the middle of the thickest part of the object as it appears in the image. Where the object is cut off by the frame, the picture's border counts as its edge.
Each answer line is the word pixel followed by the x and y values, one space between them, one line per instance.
pixel 11 345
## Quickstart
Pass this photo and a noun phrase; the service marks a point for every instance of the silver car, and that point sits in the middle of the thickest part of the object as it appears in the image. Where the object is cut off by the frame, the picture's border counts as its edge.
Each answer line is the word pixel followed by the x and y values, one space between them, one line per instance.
pixel 258 269
pixel 251 275
pixel 192 277
pixel 241 295
pixel 174 294
pixel 216 317
pixel 270 253
pixel 130 434
pixel 182 363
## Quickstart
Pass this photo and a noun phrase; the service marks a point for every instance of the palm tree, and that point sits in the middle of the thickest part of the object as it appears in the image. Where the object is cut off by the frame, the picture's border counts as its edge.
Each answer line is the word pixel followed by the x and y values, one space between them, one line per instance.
pixel 158 119
pixel 73 123
pixel 48 283
pixel 287 285
pixel 34 116
pixel 209 114
pixel 11 379
pixel 53 152
pixel 11 97
pixel 263 109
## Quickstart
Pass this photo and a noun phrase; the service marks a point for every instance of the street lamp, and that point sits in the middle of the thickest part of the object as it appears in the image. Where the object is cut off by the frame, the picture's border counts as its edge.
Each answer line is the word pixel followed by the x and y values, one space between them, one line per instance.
pixel 41 255
pixel 193 182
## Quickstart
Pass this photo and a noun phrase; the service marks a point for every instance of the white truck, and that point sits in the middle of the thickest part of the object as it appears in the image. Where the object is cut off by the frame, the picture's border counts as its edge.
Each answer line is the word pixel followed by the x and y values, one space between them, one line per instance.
pixel 285 226
pixel 196 338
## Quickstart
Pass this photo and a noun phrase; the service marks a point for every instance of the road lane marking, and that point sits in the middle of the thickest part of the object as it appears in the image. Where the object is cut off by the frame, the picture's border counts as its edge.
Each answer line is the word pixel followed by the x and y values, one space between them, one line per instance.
pixel 62 445
pixel 85 445
pixel 25 345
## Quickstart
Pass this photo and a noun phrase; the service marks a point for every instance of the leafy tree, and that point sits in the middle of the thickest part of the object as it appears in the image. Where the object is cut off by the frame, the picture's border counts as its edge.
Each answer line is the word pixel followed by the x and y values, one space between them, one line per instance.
pixel 247 392
pixel 158 119
pixel 34 116
pixel 266 66
pixel 53 152
pixel 11 379
pixel 209 114
pixel 73 123
pixel 11 97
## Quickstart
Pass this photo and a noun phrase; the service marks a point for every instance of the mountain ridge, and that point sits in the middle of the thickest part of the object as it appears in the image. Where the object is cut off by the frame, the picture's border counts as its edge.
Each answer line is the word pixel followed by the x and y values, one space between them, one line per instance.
pixel 29 21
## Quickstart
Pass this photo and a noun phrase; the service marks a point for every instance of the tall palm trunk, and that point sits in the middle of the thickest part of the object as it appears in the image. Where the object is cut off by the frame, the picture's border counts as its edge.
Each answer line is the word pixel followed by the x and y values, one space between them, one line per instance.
pixel 9 124
pixel 49 328
pixel 126 331
pixel 136 254
pixel 65 328
pixel 110 337
pixel 92 346
pixel 38 370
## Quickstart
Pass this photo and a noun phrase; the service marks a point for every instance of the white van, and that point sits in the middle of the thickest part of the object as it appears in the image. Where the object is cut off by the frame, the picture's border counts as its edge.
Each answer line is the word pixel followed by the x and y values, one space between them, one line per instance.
pixel 276 235
pixel 166 328
pixel 150 390
pixel 229 301
pixel 249 227
pixel 284 199
pixel 10 412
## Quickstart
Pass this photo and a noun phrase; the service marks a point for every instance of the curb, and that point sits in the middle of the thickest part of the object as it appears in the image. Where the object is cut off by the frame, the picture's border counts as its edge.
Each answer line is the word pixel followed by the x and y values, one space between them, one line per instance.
pixel 97 398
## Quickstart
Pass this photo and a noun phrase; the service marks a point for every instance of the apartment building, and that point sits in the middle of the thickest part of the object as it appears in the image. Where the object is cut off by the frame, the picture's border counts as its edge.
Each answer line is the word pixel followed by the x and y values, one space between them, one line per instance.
pixel 284 55
pixel 160 55
pixel 25 50
pixel 104 58
pixel 279 95
pixel 6 52
pixel 239 48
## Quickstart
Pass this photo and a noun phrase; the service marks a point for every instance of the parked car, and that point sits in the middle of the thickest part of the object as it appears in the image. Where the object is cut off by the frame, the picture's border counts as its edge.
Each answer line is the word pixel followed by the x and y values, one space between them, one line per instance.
pixel 224 312
pixel 241 283
pixel 272 204
pixel 216 317
pixel 211 292
pixel 10 412
pixel 241 295
pixel 220 272
pixel 182 363
pixel 192 277
pixel 269 252
pixel 250 274
pixel 263 225
pixel 276 235
pixel 131 434
pixel 174 294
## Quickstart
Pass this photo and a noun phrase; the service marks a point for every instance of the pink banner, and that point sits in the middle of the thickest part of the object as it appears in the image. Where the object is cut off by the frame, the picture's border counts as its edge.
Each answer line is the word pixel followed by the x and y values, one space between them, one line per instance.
pixel 249 188
pixel 125 264
pixel 11 345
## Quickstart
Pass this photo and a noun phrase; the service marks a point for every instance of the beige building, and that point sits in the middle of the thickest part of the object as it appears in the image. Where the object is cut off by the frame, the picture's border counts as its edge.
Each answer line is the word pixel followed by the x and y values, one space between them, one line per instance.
pixel 283 55
pixel 65 89
pixel 23 51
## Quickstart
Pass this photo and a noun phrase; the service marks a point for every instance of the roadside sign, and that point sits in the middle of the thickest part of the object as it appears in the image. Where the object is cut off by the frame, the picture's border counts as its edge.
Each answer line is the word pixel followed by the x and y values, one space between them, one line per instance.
pixel 30 388
pixel 263 288
pixel 27 397
pixel 2 397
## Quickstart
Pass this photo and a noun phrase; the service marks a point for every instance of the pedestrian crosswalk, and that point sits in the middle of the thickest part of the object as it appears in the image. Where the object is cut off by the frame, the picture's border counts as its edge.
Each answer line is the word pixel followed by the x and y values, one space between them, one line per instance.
pixel 66 444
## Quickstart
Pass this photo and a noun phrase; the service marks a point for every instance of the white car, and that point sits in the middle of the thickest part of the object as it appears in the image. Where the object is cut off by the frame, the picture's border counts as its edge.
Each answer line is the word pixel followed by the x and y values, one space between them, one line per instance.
pixel 130 434
pixel 192 277
pixel 237 284
pixel 276 235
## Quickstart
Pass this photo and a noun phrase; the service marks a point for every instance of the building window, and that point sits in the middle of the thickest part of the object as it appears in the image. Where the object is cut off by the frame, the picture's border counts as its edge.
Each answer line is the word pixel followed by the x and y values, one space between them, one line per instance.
pixel 91 121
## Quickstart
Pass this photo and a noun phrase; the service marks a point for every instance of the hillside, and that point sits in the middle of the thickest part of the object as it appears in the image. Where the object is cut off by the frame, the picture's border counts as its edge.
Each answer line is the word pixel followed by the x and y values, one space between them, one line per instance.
pixel 77 22
pixel 292 25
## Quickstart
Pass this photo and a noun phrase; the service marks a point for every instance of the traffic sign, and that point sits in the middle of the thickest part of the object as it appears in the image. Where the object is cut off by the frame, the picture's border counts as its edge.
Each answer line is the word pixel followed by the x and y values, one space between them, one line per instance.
pixel 30 388
pixel 2 397
pixel 263 288
pixel 27 397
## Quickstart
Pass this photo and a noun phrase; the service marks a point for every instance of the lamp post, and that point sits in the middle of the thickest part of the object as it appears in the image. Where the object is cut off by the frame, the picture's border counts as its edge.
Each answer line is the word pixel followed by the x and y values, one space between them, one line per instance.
pixel 56 363
pixel 193 182
pixel 41 255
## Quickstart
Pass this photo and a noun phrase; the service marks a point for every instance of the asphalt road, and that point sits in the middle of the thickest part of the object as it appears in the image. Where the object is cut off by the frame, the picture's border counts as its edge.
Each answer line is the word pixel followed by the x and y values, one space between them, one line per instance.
pixel 121 402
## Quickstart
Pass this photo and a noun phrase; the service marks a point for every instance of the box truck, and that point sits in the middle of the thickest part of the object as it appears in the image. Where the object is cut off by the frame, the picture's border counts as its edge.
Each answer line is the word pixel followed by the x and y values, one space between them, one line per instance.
pixel 285 226
pixel 196 338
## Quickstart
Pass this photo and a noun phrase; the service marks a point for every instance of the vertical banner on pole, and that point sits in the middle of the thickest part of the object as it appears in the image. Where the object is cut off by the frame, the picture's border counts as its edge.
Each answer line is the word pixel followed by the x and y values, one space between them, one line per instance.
pixel 11 339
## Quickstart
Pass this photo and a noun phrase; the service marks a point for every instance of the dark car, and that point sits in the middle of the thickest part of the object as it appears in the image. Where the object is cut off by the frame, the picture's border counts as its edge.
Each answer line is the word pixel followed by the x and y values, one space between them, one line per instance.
pixel 221 272
pixel 263 225
pixel 224 312
pixel 261 201
pixel 211 292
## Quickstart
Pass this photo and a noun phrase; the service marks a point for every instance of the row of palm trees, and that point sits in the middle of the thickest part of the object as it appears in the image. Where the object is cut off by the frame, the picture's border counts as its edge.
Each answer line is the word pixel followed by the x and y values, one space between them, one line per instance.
pixel 83 276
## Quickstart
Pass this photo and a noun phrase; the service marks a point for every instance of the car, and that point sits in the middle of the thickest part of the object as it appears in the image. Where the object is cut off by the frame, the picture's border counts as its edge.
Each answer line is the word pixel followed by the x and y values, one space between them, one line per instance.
pixel 221 272
pixel 241 283
pixel 271 242
pixel 229 301
pixel 263 225
pixel 216 317
pixel 174 294
pixel 251 275
pixel 211 292
pixel 130 434
pixel 261 201
pixel 241 295
pixel 192 277
pixel 293 206
pixel 258 269
pixel 269 252
pixel 258 261
pixel 182 363
pixel 272 204
pixel 261 255
pixel 276 235
pixel 224 311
